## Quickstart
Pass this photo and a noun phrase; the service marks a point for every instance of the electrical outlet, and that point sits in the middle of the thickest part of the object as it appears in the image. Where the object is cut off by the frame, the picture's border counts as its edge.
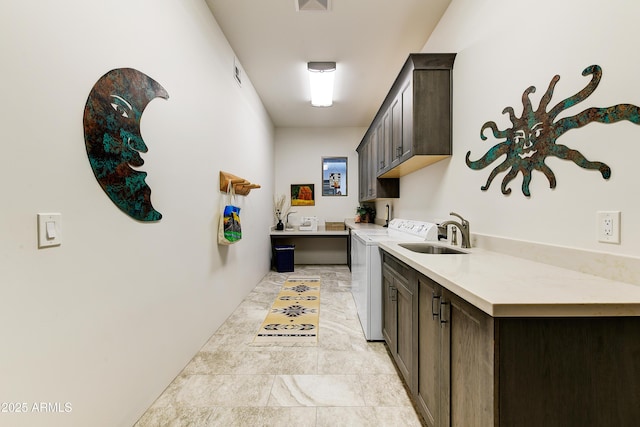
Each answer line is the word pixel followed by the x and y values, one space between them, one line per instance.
pixel 608 226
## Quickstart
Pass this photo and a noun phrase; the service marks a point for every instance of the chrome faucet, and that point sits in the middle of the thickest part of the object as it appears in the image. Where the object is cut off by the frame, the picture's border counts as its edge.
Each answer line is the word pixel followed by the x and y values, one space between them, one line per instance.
pixel 286 222
pixel 463 226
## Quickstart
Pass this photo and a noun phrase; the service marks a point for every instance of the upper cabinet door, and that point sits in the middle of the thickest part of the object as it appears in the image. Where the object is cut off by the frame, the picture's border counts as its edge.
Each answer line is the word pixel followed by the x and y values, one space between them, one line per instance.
pixel 396 131
pixel 406 145
pixel 384 143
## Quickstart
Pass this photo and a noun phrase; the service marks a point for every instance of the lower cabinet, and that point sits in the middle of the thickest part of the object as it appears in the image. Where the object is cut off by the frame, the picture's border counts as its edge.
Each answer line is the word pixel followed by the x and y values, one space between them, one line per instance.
pixel 442 346
pixel 400 319
pixel 468 357
pixel 455 353
pixel 465 368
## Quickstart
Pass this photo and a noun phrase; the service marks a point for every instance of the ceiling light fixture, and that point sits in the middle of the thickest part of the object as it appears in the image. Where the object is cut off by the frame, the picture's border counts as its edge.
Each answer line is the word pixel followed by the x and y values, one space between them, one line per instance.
pixel 313 5
pixel 321 76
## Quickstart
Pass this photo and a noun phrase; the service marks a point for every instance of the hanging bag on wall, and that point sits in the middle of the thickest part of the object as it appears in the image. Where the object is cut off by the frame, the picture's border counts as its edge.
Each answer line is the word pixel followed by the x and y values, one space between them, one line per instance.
pixel 229 230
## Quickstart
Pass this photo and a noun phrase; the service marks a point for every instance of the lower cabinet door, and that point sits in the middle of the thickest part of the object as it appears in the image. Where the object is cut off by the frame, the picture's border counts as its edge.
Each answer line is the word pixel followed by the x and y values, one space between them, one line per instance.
pixel 468 356
pixel 407 331
pixel 389 310
pixel 428 396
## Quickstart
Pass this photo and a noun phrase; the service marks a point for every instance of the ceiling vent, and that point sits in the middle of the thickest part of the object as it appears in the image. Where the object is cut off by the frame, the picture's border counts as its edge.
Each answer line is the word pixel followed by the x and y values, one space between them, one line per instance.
pixel 313 5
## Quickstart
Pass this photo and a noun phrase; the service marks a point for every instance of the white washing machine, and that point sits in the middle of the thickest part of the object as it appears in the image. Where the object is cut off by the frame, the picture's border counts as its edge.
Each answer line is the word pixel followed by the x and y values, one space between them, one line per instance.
pixel 366 267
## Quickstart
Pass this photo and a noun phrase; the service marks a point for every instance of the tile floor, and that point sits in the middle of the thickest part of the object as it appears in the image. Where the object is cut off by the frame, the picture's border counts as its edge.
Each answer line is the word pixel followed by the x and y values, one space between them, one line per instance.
pixel 342 381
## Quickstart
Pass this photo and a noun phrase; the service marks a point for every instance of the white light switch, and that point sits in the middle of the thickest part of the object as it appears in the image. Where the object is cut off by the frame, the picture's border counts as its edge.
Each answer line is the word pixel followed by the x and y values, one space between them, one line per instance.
pixel 49 229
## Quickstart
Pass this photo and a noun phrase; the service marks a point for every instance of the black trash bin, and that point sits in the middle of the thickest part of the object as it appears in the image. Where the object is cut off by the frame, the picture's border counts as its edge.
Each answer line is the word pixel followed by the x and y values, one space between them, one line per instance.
pixel 283 257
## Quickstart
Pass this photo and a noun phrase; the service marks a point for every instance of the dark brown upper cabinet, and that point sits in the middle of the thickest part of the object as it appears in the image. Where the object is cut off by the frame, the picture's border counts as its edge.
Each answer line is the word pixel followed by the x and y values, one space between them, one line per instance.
pixel 412 128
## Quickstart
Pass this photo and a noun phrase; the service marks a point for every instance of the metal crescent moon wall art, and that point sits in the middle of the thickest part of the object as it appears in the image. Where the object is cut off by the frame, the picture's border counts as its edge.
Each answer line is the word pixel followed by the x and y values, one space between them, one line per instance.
pixel 533 136
pixel 113 140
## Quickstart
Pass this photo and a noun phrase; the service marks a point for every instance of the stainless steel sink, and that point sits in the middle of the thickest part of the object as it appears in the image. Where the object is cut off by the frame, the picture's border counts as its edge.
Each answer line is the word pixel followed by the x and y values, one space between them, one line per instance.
pixel 428 248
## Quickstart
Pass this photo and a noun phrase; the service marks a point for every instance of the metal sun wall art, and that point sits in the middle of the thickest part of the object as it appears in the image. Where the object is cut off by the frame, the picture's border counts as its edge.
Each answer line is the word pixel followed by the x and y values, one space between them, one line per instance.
pixel 113 141
pixel 533 136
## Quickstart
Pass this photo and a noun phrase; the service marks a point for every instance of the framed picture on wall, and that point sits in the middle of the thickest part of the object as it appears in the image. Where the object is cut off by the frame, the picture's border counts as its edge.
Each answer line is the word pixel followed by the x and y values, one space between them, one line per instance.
pixel 302 195
pixel 334 176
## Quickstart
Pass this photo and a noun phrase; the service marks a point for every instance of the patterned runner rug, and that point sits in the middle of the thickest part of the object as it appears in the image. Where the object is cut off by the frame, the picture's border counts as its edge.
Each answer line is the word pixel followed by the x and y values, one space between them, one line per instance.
pixel 293 318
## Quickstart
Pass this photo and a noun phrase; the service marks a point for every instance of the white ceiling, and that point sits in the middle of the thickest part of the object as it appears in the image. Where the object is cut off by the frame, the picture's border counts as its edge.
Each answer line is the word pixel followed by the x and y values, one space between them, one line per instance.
pixel 368 39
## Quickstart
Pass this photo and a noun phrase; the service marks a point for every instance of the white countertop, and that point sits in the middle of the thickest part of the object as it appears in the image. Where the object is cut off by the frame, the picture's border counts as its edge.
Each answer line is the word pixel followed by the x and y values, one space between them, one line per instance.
pixel 351 223
pixel 298 233
pixel 507 286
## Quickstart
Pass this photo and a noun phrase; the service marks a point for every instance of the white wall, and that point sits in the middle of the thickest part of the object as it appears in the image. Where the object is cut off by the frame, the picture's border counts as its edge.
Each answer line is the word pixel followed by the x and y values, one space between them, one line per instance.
pixel 502 48
pixel 299 153
pixel 106 320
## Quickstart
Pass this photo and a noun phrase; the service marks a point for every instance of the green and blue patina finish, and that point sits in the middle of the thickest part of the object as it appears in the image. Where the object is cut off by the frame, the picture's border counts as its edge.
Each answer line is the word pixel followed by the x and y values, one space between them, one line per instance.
pixel 533 136
pixel 113 141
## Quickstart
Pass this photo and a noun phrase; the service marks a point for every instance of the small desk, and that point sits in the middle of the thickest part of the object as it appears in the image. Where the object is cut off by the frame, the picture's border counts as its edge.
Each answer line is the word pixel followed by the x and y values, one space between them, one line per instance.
pixel 315 247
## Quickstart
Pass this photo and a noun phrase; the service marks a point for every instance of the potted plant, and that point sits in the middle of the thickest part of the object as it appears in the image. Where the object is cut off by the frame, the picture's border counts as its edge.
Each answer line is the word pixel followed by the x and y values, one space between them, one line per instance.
pixel 280 209
pixel 365 213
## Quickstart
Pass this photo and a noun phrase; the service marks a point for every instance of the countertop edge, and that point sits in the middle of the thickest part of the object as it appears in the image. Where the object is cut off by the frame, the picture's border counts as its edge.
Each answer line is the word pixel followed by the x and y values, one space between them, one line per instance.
pixel 534 302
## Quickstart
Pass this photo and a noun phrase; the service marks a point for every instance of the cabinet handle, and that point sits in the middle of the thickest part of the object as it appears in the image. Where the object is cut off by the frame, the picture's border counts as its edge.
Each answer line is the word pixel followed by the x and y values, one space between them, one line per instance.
pixel 394 293
pixel 443 319
pixel 435 306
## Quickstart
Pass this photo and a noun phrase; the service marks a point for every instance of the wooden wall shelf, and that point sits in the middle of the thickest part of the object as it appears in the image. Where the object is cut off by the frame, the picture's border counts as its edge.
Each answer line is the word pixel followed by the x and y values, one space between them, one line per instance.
pixel 240 185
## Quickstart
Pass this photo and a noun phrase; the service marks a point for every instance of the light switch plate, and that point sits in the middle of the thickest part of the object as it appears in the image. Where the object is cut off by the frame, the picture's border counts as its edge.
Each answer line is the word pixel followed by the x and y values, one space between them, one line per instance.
pixel 49 229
